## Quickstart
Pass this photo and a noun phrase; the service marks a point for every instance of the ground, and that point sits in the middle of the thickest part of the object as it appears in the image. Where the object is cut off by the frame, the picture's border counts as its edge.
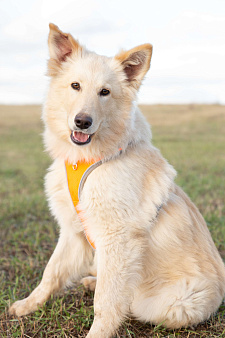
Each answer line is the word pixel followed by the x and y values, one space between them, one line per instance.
pixel 191 137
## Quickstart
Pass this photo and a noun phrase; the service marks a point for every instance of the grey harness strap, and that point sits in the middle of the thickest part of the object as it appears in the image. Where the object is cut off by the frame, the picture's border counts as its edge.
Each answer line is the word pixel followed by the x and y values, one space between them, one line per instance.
pixel 86 174
pixel 93 167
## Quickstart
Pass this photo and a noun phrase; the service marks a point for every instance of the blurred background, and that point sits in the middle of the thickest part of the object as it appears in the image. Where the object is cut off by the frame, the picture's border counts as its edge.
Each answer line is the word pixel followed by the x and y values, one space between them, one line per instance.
pixel 183 98
pixel 188 40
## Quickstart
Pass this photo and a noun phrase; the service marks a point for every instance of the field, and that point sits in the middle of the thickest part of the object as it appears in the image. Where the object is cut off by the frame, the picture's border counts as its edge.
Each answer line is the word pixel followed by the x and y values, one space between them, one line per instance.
pixel 191 137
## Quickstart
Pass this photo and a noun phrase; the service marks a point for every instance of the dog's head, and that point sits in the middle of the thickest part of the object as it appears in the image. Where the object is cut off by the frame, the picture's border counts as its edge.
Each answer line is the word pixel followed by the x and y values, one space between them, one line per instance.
pixel 88 111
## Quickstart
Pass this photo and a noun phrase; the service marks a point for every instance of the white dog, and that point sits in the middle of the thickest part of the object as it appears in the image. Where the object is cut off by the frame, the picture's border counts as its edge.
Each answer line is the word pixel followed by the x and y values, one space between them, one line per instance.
pixel 154 259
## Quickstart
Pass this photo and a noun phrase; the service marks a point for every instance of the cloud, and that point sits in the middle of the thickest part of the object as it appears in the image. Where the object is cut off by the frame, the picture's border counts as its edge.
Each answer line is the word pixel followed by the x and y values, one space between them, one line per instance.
pixel 188 46
pixel 188 56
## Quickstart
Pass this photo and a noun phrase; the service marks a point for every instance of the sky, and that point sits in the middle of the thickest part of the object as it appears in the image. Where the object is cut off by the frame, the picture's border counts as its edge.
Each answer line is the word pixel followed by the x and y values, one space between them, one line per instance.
pixel 188 38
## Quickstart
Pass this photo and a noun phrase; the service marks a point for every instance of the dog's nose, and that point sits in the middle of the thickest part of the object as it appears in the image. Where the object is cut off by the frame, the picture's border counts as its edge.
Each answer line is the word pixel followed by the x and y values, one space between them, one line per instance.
pixel 83 121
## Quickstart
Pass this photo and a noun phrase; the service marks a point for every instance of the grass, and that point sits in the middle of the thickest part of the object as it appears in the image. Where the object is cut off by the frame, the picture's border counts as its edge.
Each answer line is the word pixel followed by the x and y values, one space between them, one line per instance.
pixel 191 137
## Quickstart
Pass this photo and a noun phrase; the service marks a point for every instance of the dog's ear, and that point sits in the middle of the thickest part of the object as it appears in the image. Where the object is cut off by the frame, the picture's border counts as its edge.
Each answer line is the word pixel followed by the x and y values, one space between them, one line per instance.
pixel 135 63
pixel 61 45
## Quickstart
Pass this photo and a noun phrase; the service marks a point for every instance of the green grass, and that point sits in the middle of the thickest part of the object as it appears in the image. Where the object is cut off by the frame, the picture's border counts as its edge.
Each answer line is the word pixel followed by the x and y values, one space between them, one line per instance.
pixel 191 137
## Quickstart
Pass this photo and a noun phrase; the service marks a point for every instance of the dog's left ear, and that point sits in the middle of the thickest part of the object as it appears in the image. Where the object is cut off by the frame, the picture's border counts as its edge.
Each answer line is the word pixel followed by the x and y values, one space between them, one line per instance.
pixel 136 63
pixel 61 45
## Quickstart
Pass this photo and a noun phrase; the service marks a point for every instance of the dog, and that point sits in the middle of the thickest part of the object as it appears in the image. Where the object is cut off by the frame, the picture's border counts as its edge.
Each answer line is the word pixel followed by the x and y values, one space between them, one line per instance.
pixel 127 230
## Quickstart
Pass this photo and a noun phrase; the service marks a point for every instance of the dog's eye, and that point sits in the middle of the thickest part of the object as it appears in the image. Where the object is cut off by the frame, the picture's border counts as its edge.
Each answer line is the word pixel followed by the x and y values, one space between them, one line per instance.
pixel 75 85
pixel 104 92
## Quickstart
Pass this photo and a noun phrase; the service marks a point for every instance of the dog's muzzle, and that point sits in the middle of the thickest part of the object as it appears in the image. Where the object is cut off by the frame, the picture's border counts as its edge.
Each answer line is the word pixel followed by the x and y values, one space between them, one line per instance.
pixel 82 122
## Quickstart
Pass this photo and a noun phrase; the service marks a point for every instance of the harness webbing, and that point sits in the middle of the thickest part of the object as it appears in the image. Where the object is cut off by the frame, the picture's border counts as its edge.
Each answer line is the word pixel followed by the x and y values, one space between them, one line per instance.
pixel 76 177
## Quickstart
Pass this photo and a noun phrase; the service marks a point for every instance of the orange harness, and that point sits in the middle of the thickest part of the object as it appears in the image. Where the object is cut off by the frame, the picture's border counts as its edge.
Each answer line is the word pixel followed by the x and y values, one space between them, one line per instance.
pixel 76 177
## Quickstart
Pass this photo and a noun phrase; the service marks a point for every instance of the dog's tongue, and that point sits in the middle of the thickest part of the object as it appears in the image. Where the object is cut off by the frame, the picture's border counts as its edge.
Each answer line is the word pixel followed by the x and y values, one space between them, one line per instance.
pixel 81 137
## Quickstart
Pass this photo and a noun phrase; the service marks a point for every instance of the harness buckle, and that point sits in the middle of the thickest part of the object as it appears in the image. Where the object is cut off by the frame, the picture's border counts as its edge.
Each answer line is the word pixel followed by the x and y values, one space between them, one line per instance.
pixel 74 166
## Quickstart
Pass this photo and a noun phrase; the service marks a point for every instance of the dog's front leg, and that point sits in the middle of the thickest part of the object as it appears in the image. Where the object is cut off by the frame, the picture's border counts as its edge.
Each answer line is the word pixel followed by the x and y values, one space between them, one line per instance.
pixel 68 262
pixel 118 272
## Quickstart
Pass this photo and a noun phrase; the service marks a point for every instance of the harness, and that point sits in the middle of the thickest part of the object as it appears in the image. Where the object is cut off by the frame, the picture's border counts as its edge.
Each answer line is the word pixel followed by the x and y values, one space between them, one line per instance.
pixel 76 177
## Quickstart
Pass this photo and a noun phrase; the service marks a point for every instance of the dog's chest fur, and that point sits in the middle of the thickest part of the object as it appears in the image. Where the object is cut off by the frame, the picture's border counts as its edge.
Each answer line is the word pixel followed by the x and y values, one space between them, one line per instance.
pixel 127 187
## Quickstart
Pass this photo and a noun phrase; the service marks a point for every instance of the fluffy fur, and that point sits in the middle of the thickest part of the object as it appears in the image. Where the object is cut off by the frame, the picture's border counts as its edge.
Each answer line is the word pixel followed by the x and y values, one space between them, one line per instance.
pixel 155 259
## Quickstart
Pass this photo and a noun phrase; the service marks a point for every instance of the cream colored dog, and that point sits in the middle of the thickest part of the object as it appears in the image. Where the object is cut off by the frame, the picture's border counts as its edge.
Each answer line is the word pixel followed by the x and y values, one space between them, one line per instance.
pixel 155 259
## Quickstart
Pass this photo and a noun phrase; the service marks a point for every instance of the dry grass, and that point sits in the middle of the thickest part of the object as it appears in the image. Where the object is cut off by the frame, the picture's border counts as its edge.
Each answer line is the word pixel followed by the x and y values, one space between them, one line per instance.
pixel 191 137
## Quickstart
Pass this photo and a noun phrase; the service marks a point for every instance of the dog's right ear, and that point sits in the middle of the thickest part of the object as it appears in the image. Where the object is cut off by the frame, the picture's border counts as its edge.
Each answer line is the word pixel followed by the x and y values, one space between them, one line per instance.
pixel 61 45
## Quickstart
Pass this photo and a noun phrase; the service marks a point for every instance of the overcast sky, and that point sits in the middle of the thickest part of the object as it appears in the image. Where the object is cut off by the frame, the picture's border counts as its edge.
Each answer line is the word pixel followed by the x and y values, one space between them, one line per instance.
pixel 188 37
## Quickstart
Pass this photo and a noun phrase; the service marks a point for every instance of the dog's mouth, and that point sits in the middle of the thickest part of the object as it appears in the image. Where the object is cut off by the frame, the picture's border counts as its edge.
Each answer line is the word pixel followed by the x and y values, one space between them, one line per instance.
pixel 80 138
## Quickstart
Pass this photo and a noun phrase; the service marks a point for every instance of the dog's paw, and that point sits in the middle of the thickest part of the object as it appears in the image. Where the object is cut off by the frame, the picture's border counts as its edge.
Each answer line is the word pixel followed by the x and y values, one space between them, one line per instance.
pixel 20 308
pixel 89 283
